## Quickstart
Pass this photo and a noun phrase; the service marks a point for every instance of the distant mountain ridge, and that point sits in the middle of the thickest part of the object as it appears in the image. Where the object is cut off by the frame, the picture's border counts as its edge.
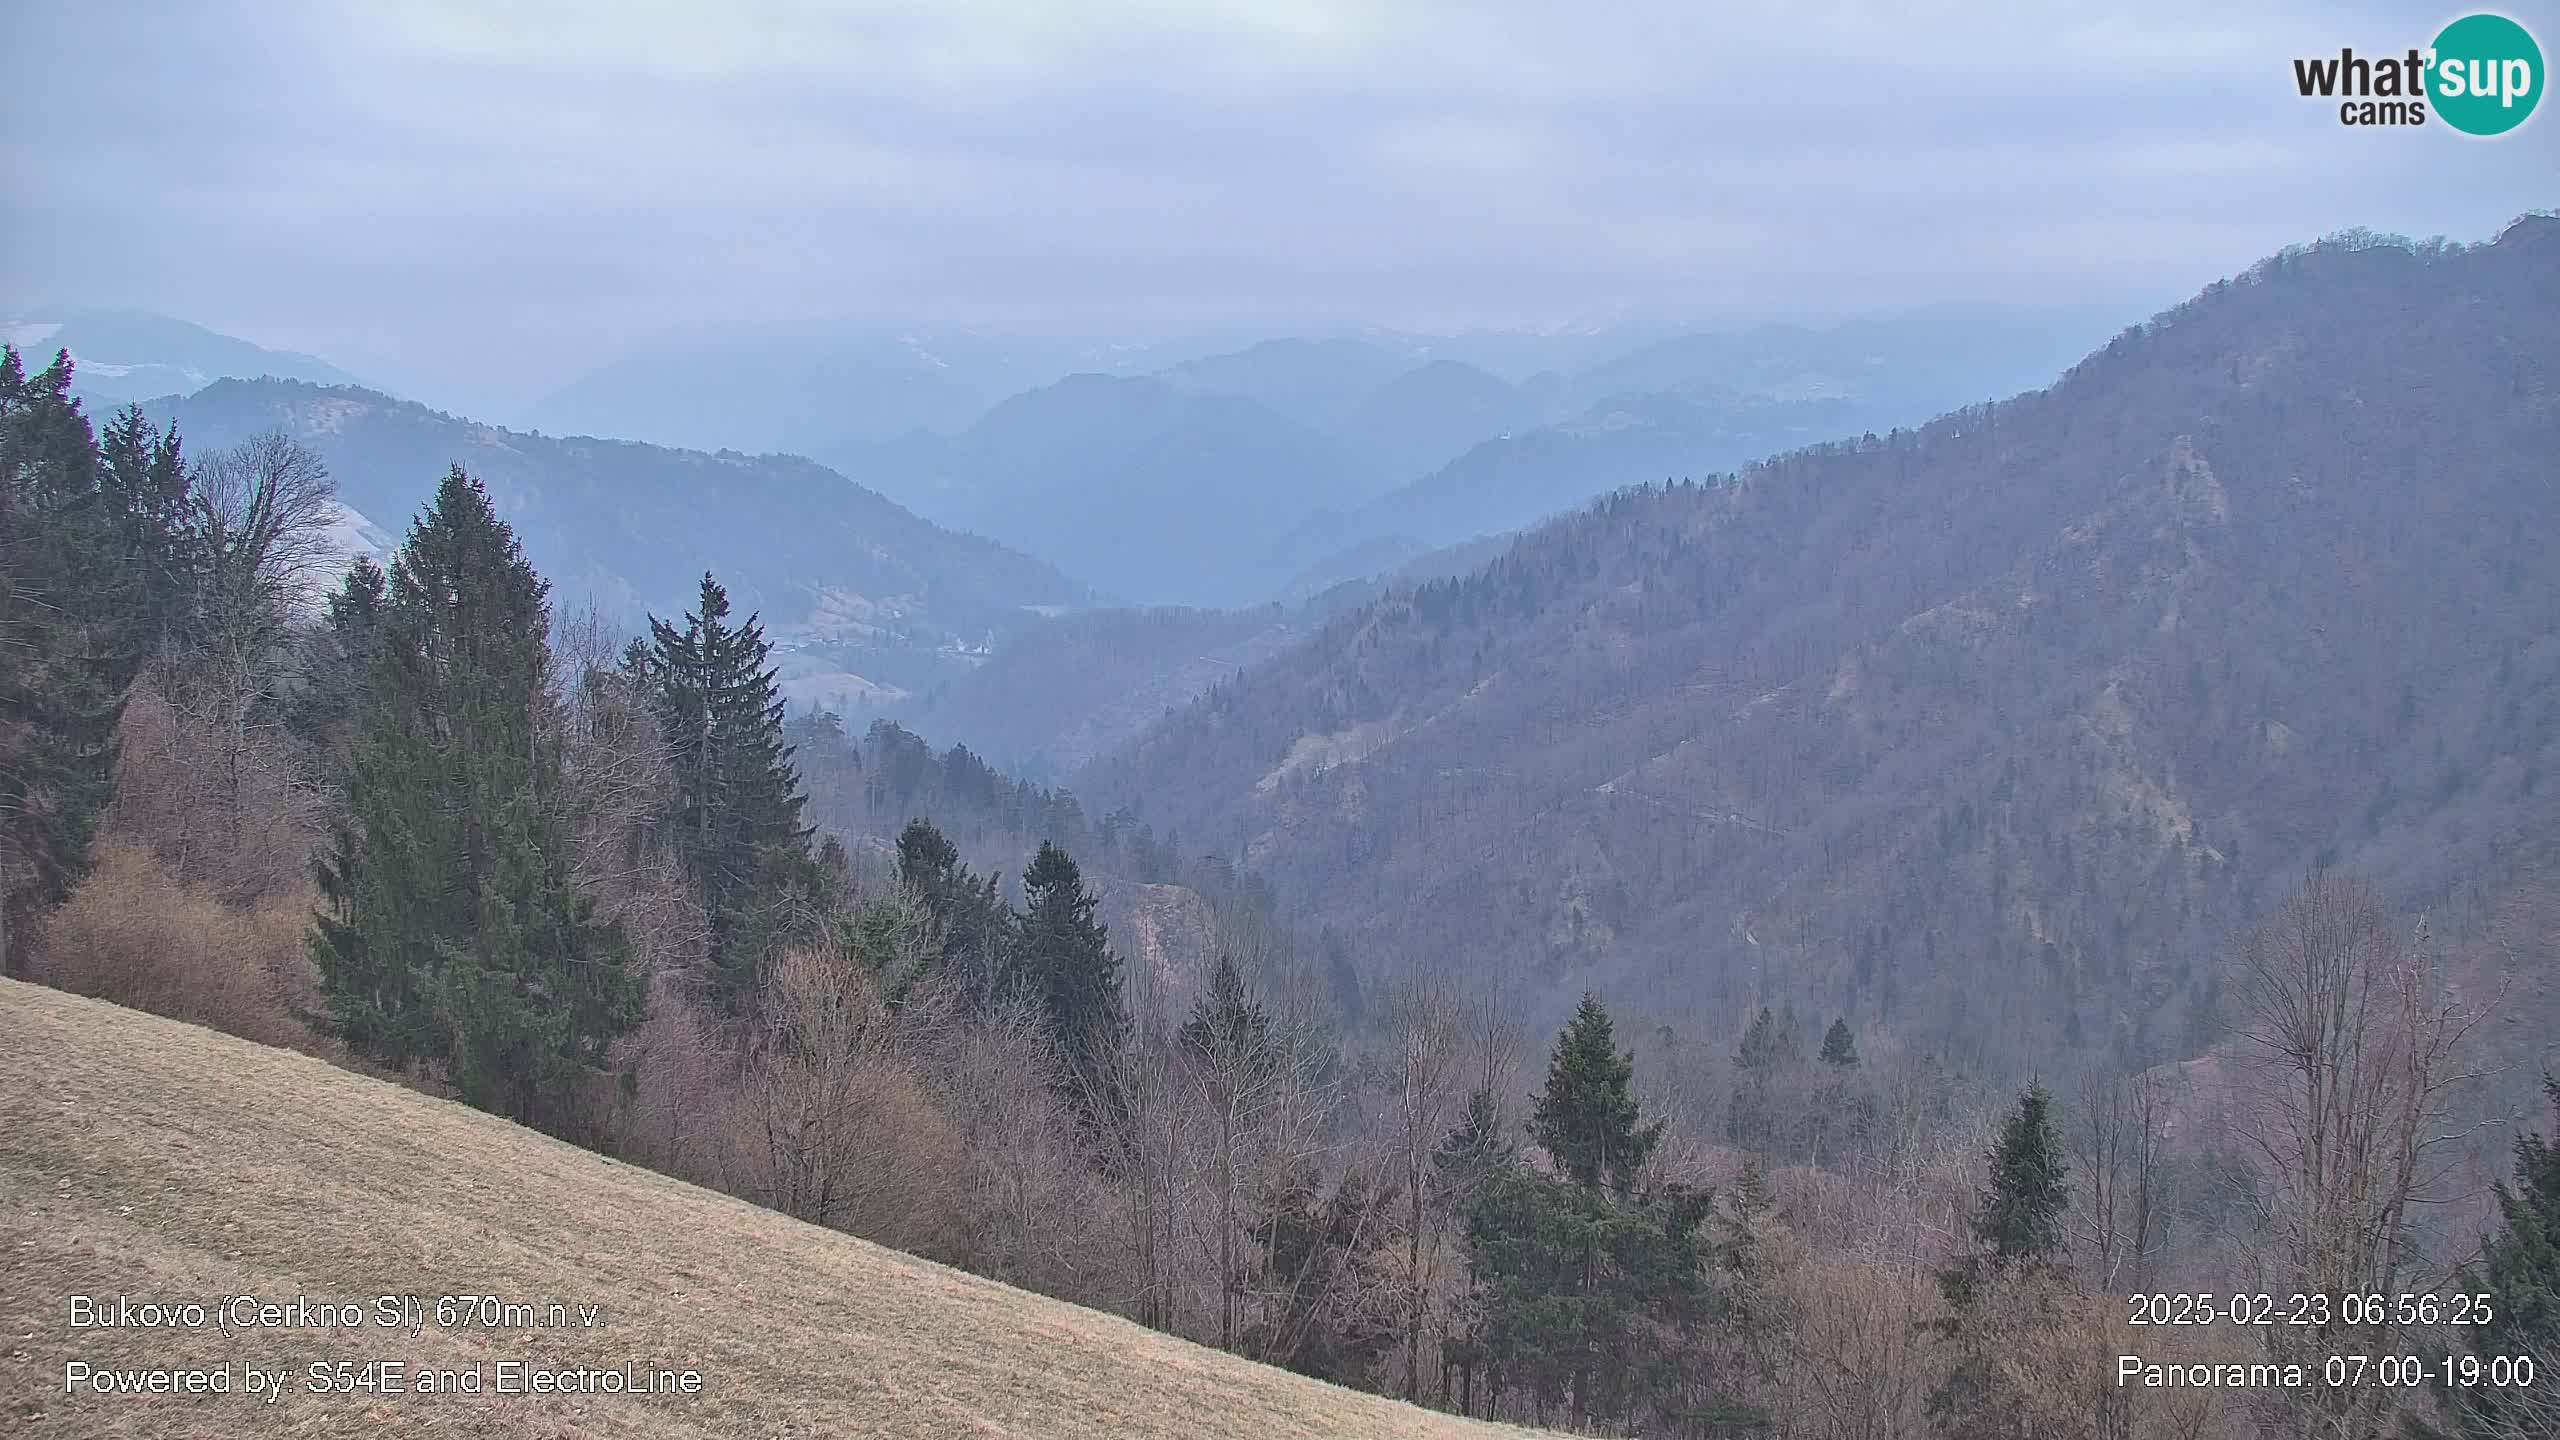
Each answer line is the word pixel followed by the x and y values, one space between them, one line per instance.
pixel 864 599
pixel 1154 493
pixel 123 356
pixel 1236 476
pixel 1223 480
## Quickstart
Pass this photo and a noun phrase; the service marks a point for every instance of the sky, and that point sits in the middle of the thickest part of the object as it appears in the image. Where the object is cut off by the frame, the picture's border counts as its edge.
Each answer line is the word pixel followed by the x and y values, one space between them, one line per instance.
pixel 477 202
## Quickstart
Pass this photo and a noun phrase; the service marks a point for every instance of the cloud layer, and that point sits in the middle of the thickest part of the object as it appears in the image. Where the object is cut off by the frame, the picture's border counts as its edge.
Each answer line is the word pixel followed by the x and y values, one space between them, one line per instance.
pixel 484 196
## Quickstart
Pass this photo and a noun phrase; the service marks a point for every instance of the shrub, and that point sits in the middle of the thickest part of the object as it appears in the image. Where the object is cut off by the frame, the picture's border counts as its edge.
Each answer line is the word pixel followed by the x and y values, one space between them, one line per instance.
pixel 136 935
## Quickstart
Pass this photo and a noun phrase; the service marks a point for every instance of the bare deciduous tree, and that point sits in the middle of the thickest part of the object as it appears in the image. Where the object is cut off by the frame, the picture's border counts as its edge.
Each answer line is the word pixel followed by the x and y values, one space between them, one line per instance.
pixel 255 540
pixel 1142 1152
pixel 2355 1055
pixel 848 1140
pixel 1425 1040
pixel 2119 1212
pixel 1234 1071
pixel 993 1070
pixel 259 514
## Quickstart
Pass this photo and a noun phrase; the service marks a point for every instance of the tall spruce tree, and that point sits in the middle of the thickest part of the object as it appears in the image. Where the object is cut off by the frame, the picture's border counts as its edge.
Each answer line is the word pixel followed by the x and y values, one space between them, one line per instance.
pixel 148 489
pixel 337 661
pixel 452 937
pixel 736 819
pixel 1767 1044
pixel 1474 1150
pixel 2019 1217
pixel 2016 1240
pixel 77 622
pixel 1591 1285
pixel 1587 1116
pixel 1065 960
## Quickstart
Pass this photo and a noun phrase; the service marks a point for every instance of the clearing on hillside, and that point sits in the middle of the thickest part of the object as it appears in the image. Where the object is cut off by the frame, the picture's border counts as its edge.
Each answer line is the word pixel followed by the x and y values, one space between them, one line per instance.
pixel 169 1165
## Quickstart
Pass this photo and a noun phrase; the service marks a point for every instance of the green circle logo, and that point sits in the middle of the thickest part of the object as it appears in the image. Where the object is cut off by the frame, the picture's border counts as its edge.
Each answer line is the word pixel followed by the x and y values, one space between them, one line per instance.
pixel 2485 74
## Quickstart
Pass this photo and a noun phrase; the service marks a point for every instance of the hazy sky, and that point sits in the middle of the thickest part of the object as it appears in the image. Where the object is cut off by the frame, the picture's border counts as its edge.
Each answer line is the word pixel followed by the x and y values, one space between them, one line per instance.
pixel 474 200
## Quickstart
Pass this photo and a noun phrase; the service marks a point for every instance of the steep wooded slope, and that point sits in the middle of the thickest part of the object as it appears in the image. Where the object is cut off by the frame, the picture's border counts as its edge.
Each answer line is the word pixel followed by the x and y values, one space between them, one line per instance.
pixel 1987 733
pixel 1057 694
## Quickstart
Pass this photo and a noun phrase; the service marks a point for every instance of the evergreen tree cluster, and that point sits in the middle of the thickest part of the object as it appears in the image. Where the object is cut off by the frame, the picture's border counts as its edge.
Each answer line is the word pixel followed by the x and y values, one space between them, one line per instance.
pixel 1592 1279
pixel 451 934
pixel 1053 950
pixel 95 570
pixel 904 775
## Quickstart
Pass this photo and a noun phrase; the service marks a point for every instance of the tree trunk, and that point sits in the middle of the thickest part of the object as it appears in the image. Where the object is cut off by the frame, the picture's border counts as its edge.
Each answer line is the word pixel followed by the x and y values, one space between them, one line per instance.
pixel 1414 1296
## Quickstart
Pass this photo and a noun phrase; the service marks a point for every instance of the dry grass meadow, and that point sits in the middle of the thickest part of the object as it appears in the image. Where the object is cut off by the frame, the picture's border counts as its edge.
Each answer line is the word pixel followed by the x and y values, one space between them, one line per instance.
pixel 156 1160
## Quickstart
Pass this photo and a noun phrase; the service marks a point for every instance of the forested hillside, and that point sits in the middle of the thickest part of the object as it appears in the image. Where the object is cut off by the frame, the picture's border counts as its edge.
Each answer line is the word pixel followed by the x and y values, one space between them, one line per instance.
pixel 1590 990
pixel 1987 734
pixel 1512 480
pixel 1102 676
pixel 863 596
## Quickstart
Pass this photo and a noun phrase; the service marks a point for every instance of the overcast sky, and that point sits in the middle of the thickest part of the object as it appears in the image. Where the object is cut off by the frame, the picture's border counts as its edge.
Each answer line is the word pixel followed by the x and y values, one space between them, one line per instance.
pixel 476 200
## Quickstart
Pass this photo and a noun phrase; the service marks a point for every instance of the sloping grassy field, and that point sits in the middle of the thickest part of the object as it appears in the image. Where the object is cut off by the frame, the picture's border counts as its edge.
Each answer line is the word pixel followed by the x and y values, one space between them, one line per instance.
pixel 165 1163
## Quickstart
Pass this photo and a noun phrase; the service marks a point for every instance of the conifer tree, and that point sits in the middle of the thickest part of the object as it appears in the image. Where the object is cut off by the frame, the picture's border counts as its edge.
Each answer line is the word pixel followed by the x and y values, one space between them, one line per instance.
pixel 1315 1253
pixel 967 914
pixel 2019 1217
pixel 1768 1050
pixel 1840 1046
pixel 1065 960
pixel 1473 1150
pixel 1768 1044
pixel 1468 1161
pixel 1587 1116
pixel 1592 1286
pixel 337 662
pixel 2017 1237
pixel 735 822
pixel 75 628
pixel 1227 1020
pixel 2519 1269
pixel 145 478
pixel 452 937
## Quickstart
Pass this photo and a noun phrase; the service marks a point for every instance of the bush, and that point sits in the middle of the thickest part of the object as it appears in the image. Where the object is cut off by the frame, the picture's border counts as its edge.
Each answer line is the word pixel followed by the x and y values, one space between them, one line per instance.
pixel 136 935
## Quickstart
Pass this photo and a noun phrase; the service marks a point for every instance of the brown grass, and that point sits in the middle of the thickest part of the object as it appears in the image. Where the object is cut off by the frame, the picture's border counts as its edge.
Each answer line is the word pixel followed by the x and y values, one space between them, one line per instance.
pixel 148 1158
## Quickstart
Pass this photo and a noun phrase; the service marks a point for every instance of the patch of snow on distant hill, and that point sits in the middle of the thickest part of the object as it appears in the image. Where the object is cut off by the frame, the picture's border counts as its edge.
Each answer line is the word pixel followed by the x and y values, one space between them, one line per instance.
pixel 347 535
